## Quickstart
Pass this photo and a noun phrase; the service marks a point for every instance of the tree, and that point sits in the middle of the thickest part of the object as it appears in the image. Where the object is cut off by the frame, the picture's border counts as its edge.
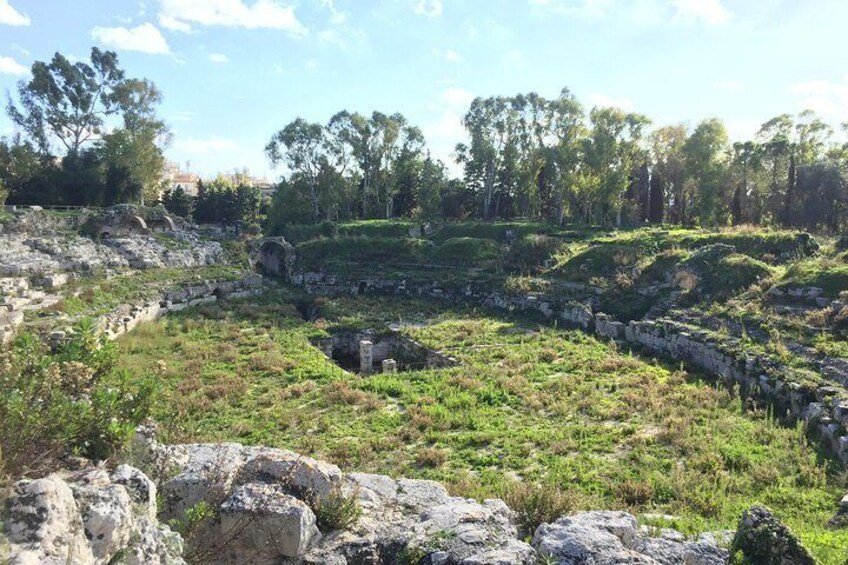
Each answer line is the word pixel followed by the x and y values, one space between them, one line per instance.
pixel 611 151
pixel 178 202
pixel 68 101
pixel 668 175
pixel 706 158
pixel 301 146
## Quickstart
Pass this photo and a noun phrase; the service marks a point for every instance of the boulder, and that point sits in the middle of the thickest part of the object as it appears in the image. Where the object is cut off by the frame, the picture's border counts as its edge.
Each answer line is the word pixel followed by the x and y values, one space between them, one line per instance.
pixel 88 518
pixel 265 524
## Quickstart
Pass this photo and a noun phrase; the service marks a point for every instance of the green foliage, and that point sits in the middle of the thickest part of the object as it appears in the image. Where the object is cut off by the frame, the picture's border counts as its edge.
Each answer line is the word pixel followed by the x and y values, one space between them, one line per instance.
pixel 68 402
pixel 336 510
pixel 537 504
pixel 830 276
pixel 360 250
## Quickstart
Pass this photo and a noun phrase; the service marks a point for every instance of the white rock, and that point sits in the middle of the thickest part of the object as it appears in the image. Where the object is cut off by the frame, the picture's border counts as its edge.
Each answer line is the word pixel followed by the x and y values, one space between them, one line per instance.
pixel 265 524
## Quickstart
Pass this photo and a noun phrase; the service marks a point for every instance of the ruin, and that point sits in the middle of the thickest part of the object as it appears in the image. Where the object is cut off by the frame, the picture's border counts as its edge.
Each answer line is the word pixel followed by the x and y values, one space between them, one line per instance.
pixel 367 352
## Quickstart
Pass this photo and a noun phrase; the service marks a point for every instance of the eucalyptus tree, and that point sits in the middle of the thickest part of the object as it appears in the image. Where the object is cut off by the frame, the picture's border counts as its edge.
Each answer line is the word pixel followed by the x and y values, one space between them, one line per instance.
pixel 491 126
pixel 706 157
pixel 669 197
pixel 611 151
pixel 69 102
pixel 301 147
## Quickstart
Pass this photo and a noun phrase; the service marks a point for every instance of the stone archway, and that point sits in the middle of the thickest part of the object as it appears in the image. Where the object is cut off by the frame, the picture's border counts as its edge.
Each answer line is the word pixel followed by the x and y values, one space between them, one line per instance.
pixel 274 257
pixel 162 223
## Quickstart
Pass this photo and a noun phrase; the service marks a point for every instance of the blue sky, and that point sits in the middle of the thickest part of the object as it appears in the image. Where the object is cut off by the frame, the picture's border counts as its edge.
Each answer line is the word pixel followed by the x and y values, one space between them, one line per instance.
pixel 234 71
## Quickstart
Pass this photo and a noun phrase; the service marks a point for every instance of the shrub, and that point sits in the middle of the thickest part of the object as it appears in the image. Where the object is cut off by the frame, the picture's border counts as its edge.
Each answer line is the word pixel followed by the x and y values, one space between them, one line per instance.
pixel 68 402
pixel 536 504
pixel 336 511
pixel 430 457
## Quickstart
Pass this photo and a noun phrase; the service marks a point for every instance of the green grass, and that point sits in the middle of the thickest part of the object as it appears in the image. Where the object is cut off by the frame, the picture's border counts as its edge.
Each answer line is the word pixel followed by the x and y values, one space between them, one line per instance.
pixel 831 276
pixel 558 408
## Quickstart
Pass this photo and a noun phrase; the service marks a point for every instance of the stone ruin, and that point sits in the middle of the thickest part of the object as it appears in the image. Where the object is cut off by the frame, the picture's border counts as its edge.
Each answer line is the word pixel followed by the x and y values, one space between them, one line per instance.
pixel 273 256
pixel 367 352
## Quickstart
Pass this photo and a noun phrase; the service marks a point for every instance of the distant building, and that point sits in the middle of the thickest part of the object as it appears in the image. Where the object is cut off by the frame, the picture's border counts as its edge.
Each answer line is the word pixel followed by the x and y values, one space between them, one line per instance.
pixel 173 178
pixel 186 181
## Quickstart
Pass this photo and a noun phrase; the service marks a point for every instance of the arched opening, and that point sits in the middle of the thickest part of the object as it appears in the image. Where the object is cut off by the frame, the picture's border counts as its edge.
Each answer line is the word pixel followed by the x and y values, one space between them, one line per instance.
pixel 363 286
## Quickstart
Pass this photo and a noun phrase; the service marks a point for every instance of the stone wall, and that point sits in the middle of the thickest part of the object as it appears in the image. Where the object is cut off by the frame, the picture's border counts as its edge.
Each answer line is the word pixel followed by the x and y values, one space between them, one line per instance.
pixel 127 318
pixel 824 407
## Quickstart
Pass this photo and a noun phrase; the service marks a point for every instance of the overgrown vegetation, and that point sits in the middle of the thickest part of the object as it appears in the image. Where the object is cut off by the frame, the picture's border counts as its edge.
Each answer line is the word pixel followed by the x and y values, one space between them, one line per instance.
pixel 69 402
pixel 584 425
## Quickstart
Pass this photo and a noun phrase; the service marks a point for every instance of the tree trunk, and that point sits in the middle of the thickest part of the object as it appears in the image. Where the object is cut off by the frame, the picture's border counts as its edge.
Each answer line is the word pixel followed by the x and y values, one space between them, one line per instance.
pixel 790 192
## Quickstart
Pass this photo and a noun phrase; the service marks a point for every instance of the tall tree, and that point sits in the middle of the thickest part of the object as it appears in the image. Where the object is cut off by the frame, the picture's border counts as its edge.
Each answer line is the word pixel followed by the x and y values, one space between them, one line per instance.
pixel 706 153
pixel 68 102
pixel 300 145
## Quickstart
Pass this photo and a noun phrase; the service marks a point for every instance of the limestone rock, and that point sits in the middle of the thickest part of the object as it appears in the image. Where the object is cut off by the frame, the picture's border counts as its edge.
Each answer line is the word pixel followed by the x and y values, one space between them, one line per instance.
pixel 607 538
pixel 265 524
pixel 44 525
pixel 88 518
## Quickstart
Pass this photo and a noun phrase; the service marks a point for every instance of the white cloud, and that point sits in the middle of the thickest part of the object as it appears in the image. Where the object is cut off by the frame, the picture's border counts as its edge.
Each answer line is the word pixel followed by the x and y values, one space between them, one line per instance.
pixel 606 101
pixel 700 11
pixel 174 25
pixel 586 8
pixel 145 38
pixel 179 15
pixel 219 58
pixel 21 50
pixel 337 17
pixel 192 146
pixel 10 16
pixel 829 99
pixel 429 8
pixel 8 66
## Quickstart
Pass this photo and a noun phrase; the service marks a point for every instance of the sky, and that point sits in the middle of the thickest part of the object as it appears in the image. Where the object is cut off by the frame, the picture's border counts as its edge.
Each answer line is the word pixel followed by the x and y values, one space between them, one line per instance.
pixel 233 72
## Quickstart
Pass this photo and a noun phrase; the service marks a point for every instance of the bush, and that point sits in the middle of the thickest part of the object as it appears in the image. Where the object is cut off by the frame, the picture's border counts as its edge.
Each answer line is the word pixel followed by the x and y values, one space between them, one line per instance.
pixel 68 402
pixel 536 504
pixel 599 261
pixel 297 233
pixel 336 511
pixel 468 250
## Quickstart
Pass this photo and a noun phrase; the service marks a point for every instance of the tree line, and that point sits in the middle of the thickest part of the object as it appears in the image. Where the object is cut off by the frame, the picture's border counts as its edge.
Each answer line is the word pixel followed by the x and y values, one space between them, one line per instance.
pixel 550 159
pixel 86 135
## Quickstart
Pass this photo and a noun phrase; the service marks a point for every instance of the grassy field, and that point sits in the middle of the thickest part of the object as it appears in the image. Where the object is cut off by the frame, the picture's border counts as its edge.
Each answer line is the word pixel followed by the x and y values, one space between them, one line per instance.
pixel 594 426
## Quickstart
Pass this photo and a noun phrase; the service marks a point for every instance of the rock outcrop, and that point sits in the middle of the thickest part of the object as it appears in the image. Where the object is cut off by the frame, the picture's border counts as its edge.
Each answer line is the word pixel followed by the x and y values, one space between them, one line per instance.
pixel 91 517
pixel 272 505
pixel 239 504
pixel 607 538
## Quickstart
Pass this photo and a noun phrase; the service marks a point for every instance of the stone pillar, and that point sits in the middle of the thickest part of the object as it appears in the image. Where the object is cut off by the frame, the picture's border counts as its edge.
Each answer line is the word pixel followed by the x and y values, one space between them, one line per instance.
pixel 366 357
pixel 390 366
pixel 327 347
